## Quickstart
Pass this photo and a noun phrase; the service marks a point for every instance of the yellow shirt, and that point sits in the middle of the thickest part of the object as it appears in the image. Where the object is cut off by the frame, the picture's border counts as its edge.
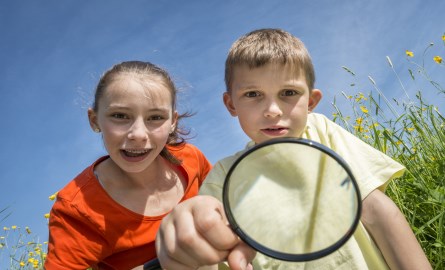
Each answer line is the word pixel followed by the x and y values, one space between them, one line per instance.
pixel 371 168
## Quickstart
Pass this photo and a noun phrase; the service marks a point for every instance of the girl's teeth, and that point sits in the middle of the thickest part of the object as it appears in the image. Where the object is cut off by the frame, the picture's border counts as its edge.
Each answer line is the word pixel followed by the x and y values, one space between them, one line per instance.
pixel 135 153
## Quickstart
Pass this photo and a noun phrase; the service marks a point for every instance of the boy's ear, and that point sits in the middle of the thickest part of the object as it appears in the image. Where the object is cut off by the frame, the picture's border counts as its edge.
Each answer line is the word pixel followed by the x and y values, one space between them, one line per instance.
pixel 314 99
pixel 229 104
pixel 92 118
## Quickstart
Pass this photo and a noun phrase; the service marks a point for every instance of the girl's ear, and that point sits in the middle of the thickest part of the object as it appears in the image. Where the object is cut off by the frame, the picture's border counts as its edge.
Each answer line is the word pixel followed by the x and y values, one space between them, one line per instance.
pixel 174 122
pixel 92 118
pixel 229 104
pixel 314 99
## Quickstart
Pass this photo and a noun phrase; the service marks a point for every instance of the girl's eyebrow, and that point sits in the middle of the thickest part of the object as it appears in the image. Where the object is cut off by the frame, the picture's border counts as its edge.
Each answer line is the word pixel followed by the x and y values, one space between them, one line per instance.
pixel 126 108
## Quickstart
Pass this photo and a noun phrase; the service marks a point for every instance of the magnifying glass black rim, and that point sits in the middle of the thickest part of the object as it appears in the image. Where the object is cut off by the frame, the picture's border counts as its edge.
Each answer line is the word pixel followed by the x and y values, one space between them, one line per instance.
pixel 282 255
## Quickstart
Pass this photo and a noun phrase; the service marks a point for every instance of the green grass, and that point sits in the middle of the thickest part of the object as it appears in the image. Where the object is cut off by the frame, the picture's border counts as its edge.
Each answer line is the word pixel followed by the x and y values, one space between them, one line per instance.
pixel 413 133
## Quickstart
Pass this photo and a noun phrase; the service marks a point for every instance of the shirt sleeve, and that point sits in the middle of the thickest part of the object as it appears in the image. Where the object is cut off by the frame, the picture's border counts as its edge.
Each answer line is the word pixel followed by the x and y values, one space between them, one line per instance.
pixel 371 167
pixel 213 184
pixel 205 167
pixel 74 241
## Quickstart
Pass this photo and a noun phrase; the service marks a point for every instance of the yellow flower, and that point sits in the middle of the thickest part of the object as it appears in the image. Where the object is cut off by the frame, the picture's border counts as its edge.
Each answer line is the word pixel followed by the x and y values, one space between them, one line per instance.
pixel 30 260
pixel 5 228
pixel 409 53
pixel 47 215
pixel 13 227
pixel 360 97
pixel 28 230
pixel 53 197
pixel 443 37
pixel 398 142
pixel 22 264
pixel 364 109
pixel 410 129
pixel 359 121
pixel 437 59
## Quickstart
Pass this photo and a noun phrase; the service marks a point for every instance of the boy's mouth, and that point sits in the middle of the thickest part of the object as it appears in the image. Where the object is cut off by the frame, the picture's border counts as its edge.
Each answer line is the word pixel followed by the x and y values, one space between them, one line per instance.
pixel 275 131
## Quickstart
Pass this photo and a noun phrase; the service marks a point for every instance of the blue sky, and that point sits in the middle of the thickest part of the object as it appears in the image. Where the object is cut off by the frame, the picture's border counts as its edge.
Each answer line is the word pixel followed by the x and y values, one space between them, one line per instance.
pixel 53 53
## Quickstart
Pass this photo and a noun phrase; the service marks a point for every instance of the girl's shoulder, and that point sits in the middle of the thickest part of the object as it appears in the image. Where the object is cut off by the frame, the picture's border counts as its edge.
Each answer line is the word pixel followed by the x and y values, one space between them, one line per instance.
pixel 82 183
pixel 185 150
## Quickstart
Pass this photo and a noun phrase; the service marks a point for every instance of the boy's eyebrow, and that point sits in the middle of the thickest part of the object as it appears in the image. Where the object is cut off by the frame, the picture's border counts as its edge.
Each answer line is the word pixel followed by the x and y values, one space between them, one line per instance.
pixel 252 86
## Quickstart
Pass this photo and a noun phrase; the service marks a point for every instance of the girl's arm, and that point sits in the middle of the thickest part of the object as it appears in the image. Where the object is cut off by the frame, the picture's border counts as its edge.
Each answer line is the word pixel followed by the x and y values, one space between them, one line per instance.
pixel 392 233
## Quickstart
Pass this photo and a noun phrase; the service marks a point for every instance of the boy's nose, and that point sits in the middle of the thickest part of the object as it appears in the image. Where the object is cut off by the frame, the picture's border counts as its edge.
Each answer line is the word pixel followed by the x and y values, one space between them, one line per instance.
pixel 272 109
pixel 138 131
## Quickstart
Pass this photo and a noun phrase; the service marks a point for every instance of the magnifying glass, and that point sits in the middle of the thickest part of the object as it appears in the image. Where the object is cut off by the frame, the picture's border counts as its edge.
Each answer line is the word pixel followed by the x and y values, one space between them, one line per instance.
pixel 291 199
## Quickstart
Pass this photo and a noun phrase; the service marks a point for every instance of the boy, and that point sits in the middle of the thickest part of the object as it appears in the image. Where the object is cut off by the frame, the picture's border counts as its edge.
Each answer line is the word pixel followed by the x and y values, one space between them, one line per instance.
pixel 270 88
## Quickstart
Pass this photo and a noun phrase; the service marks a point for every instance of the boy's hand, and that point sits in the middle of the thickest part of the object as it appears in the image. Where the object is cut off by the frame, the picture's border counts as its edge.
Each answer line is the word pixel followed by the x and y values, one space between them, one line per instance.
pixel 197 233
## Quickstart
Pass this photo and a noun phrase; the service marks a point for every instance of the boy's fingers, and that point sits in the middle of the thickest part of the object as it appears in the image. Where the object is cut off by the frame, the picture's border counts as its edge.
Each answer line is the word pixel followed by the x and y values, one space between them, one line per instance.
pixel 241 256
pixel 213 226
pixel 179 243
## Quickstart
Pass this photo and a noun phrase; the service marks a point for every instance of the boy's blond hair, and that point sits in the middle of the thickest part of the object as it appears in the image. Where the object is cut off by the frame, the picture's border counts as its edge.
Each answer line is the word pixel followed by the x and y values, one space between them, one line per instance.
pixel 264 46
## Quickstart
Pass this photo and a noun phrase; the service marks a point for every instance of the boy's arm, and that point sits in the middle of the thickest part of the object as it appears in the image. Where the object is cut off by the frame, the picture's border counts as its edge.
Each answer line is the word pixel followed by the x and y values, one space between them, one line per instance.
pixel 392 233
pixel 196 233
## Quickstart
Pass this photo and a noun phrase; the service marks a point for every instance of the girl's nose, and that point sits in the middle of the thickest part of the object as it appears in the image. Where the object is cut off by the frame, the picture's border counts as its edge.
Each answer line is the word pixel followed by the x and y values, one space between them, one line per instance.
pixel 138 131
pixel 272 109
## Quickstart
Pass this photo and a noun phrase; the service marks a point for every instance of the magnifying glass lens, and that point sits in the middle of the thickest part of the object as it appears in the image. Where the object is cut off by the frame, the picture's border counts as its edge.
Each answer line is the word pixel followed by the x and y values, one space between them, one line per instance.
pixel 292 201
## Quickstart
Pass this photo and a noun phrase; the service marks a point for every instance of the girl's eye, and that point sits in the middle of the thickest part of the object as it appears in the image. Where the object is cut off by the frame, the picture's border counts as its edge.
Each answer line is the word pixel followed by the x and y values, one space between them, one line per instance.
pixel 289 92
pixel 155 118
pixel 252 94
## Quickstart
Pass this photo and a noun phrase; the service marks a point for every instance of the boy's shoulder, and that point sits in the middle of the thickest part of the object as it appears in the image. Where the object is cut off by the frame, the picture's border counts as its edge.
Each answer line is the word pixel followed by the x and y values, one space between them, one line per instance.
pixel 227 162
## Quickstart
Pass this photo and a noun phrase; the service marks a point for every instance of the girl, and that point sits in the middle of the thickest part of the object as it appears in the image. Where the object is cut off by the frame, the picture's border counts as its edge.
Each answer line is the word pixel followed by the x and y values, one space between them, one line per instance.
pixel 108 216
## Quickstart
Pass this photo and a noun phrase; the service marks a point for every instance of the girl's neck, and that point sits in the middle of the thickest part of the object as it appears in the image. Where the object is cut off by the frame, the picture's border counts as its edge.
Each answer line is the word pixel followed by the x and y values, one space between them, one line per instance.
pixel 152 192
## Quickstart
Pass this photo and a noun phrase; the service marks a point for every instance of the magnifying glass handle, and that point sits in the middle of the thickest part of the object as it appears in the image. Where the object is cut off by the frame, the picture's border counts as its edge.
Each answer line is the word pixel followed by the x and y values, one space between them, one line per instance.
pixel 152 265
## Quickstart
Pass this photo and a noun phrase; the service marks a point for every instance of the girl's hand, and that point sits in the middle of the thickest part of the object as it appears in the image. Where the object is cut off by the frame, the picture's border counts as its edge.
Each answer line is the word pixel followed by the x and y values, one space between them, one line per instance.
pixel 196 233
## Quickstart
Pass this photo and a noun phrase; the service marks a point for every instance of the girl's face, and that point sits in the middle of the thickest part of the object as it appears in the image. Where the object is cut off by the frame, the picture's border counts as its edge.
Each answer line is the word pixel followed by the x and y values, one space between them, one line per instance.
pixel 136 118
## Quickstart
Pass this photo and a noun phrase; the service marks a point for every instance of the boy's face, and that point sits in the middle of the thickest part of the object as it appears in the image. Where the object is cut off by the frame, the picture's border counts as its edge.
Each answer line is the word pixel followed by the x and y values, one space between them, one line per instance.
pixel 270 101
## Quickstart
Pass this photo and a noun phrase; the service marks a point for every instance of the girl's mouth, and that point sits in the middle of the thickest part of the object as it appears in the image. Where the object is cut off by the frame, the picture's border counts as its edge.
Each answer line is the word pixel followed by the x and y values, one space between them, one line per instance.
pixel 134 155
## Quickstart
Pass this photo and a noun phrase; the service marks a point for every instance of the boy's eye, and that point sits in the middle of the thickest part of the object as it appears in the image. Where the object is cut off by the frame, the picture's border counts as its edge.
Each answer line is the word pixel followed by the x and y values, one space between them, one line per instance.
pixel 289 92
pixel 252 94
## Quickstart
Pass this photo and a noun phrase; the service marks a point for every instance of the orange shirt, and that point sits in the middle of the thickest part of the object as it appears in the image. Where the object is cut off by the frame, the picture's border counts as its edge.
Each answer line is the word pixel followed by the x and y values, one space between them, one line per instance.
pixel 87 228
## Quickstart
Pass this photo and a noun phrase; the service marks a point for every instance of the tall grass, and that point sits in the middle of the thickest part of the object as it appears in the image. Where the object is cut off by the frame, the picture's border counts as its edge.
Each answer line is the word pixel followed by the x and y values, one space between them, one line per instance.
pixel 20 248
pixel 413 133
